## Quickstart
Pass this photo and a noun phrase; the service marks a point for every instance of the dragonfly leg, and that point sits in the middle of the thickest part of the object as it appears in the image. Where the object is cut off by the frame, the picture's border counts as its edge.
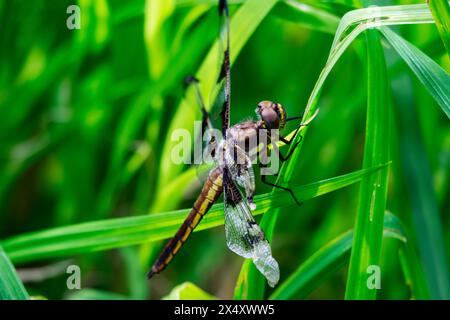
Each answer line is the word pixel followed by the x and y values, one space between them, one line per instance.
pixel 206 121
pixel 288 142
pixel 264 180
pixel 262 155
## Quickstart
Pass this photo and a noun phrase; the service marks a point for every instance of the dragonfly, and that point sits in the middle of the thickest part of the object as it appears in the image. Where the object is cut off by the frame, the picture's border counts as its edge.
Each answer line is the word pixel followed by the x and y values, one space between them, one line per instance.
pixel 232 172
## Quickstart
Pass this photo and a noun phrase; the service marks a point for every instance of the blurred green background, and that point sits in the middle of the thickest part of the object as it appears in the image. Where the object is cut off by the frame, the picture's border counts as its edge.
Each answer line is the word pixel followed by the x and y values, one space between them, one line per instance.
pixel 85 115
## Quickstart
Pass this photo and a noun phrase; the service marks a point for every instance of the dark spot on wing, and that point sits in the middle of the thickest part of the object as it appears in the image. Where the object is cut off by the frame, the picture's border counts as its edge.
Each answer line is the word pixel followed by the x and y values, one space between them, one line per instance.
pixel 224 67
pixel 232 194
pixel 235 156
pixel 223 7
pixel 225 114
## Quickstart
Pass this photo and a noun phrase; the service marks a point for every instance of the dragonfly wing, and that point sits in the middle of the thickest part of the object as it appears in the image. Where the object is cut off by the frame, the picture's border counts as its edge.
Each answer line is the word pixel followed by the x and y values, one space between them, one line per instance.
pixel 224 75
pixel 244 236
pixel 241 170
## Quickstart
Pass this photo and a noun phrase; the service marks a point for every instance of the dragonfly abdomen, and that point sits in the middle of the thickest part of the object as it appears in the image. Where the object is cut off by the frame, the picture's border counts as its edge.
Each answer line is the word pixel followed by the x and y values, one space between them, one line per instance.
pixel 211 191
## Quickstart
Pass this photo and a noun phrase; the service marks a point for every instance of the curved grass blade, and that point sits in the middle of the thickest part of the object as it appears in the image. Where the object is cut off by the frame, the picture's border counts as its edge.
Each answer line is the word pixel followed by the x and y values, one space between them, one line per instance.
pixel 358 21
pixel 325 261
pixel 363 19
pixel 120 232
pixel 382 16
pixel 11 288
pixel 441 14
pixel 310 15
pixel 315 269
pixel 366 249
pixel 432 76
pixel 307 15
pixel 250 284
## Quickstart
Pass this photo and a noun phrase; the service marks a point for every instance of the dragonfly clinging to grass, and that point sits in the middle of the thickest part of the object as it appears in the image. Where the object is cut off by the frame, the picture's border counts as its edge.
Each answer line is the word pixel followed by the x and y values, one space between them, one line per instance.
pixel 233 171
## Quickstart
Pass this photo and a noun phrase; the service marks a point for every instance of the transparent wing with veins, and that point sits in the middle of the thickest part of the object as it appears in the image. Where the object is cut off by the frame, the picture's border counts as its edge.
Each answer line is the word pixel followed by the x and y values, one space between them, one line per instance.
pixel 240 167
pixel 244 236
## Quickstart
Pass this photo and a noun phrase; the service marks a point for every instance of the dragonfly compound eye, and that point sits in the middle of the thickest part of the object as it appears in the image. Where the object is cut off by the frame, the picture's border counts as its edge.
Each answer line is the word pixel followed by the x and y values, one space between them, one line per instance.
pixel 272 114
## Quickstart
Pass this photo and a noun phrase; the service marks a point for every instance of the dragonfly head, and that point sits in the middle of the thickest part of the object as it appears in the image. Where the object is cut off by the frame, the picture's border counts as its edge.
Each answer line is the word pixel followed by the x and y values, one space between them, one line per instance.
pixel 272 114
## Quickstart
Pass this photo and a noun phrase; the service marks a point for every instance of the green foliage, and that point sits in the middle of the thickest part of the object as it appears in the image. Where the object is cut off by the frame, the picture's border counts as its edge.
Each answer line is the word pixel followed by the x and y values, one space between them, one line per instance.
pixel 86 123
pixel 441 14
pixel 424 205
pixel 11 288
pixel 91 294
pixel 119 232
pixel 327 260
pixel 432 76
pixel 366 249
pixel 188 291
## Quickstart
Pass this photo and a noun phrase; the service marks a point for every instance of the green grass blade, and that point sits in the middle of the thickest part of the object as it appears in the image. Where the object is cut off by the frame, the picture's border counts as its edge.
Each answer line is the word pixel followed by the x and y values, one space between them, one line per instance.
pixel 357 21
pixel 413 273
pixel 441 13
pixel 307 15
pixel 363 19
pixel 375 16
pixel 11 288
pixel 156 14
pixel 250 284
pixel 426 217
pixel 326 261
pixel 120 232
pixel 432 76
pixel 188 291
pixel 93 294
pixel 138 289
pixel 366 249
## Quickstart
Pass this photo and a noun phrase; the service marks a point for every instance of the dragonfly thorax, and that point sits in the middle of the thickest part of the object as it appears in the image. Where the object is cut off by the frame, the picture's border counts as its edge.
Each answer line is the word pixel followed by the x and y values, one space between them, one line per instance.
pixel 244 132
